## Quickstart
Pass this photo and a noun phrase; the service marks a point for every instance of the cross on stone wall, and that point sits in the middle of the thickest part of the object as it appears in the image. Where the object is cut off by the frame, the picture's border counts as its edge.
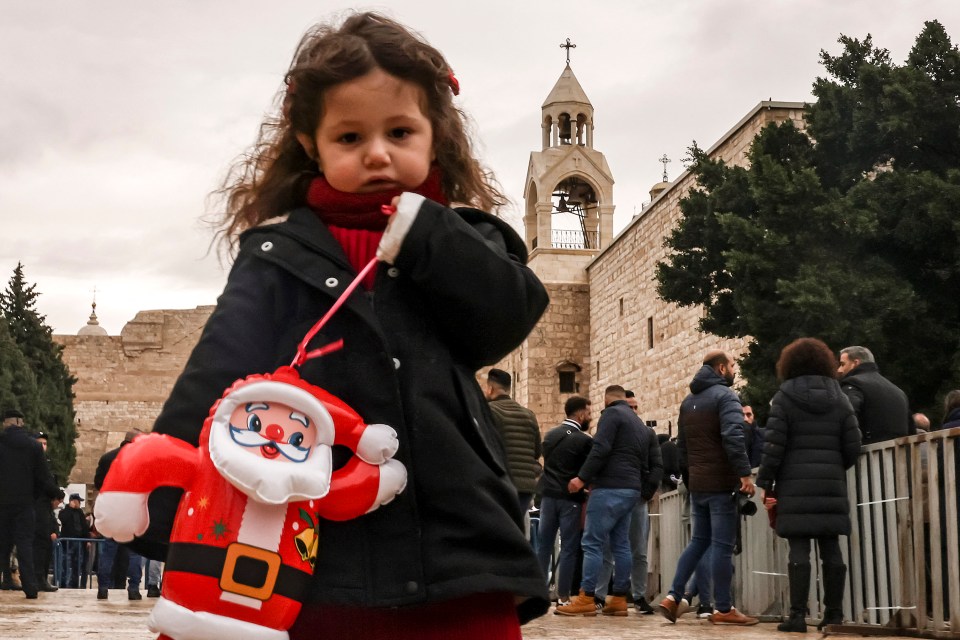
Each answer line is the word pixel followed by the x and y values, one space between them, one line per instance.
pixel 568 45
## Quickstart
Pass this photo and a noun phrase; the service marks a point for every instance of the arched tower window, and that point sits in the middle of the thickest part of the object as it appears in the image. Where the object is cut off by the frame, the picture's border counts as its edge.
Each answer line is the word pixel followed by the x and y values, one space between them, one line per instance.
pixel 565 128
pixel 575 198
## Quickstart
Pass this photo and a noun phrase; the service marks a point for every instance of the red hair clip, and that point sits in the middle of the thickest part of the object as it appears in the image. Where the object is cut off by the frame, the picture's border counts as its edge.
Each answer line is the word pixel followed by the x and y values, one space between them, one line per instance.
pixel 454 83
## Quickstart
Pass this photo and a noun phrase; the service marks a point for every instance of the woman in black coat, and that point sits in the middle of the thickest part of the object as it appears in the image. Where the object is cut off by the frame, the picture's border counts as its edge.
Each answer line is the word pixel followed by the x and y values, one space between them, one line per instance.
pixel 812 438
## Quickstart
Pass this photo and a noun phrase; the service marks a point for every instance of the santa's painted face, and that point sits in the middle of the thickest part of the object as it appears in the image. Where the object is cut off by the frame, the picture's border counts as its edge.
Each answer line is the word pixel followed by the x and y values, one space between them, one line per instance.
pixel 273 431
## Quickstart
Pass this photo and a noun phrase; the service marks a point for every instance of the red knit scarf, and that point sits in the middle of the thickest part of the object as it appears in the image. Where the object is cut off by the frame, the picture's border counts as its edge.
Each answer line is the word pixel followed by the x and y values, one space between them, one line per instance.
pixel 356 219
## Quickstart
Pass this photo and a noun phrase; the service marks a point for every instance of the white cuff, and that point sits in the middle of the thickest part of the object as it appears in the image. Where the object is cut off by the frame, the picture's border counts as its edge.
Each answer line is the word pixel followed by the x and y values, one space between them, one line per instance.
pixel 121 515
pixel 377 444
pixel 176 621
pixel 407 209
pixel 393 480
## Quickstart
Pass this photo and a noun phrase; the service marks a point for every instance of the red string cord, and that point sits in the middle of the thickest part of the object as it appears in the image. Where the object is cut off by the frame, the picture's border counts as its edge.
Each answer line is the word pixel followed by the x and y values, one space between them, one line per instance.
pixel 302 353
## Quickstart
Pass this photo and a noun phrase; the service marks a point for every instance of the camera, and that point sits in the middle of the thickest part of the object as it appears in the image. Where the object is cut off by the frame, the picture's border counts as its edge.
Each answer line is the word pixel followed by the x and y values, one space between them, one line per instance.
pixel 745 505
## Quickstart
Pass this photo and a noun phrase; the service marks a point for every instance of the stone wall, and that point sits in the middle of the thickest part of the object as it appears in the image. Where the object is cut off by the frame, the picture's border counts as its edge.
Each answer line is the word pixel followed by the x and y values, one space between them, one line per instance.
pixel 624 303
pixel 122 381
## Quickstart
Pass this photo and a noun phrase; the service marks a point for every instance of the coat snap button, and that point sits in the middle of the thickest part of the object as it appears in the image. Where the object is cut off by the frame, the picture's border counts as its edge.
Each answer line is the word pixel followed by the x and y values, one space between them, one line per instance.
pixel 332 282
pixel 396 363
pixel 266 246
pixel 393 272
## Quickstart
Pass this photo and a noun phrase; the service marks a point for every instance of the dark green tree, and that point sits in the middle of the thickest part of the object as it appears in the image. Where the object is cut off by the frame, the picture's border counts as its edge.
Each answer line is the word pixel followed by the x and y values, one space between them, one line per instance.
pixel 18 385
pixel 849 231
pixel 51 408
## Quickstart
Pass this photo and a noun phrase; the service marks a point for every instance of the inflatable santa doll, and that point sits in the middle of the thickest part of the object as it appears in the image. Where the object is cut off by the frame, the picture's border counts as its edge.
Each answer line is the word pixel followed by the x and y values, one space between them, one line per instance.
pixel 244 541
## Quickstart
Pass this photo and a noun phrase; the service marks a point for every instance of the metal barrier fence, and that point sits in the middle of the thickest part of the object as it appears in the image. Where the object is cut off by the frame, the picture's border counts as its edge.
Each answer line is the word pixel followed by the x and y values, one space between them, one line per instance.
pixel 74 561
pixel 903 553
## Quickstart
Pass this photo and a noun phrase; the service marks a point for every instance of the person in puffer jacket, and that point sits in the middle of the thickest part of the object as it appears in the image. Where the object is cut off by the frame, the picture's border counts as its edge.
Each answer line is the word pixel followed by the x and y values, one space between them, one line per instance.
pixel 812 438
pixel 714 463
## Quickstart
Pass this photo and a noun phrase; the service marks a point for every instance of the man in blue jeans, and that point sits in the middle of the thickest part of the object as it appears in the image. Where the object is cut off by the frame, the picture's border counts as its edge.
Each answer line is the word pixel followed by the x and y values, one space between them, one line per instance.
pixel 624 466
pixel 639 536
pixel 565 449
pixel 713 459
pixel 109 546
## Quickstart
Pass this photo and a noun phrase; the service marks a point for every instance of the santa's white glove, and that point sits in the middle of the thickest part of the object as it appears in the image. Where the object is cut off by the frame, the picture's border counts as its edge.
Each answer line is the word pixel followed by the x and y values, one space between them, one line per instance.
pixel 122 515
pixel 393 479
pixel 377 443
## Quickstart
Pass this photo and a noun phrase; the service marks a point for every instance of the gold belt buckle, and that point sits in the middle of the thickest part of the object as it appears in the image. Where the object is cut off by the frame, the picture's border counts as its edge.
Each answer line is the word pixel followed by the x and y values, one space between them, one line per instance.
pixel 238 550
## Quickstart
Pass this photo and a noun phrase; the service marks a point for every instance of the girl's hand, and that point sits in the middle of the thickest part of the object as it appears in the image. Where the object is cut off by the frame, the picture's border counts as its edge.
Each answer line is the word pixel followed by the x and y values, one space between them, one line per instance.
pixel 769 502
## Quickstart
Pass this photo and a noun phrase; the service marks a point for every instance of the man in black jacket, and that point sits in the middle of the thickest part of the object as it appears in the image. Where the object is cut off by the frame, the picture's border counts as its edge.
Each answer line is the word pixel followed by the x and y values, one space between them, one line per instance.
pixel 882 408
pixel 109 547
pixel 23 475
pixel 565 449
pixel 714 461
pixel 74 531
pixel 47 528
pixel 621 469
pixel 639 533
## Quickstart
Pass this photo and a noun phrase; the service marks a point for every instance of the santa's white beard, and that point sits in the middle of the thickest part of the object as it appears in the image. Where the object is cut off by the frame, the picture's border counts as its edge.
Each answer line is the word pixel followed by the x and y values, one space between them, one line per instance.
pixel 275 481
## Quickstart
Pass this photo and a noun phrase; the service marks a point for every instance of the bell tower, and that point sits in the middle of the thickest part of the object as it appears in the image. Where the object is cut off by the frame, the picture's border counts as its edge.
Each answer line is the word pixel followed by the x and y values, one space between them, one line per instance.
pixel 568 190
pixel 568 221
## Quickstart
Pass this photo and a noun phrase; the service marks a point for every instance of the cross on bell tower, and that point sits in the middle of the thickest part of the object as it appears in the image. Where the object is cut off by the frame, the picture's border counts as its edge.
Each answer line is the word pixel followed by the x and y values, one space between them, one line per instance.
pixel 568 45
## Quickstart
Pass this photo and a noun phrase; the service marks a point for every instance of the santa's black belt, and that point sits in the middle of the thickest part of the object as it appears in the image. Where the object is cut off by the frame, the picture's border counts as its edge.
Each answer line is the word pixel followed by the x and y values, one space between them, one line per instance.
pixel 241 569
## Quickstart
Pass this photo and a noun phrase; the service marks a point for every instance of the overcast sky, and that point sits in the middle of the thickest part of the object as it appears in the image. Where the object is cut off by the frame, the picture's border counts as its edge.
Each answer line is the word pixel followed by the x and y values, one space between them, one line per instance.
pixel 119 118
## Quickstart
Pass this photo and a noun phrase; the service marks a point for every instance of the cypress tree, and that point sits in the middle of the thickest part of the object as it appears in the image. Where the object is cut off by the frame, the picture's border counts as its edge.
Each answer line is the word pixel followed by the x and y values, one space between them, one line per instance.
pixel 49 407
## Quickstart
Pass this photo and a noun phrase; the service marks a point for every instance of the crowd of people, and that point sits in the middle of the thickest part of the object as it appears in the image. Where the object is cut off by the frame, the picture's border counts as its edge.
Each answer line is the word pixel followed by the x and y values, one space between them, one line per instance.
pixel 596 492
pixel 46 544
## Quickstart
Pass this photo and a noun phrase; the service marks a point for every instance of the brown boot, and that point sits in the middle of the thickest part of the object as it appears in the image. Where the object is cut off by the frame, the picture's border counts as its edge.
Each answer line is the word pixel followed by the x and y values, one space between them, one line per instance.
pixel 616 606
pixel 580 605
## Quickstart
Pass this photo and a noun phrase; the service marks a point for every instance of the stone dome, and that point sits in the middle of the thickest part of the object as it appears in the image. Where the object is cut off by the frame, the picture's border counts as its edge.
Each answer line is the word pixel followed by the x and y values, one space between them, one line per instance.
pixel 92 328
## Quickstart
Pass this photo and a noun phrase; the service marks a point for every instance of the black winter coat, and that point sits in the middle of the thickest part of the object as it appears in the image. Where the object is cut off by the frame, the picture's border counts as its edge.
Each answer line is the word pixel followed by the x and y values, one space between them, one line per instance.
pixel 24 473
pixel 711 422
pixel 46 520
pixel 670 454
pixel 565 448
pixel 811 439
pixel 73 523
pixel 625 453
pixel 882 409
pixel 458 297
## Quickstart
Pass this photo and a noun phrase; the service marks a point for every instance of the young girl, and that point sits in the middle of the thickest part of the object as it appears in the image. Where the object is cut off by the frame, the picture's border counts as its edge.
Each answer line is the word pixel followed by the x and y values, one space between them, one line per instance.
pixel 368 119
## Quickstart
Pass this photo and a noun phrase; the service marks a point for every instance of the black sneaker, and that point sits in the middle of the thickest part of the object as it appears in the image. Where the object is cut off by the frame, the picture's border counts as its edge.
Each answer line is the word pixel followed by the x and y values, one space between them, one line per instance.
pixel 134 594
pixel 153 592
pixel 704 610
pixel 642 606
pixel 102 593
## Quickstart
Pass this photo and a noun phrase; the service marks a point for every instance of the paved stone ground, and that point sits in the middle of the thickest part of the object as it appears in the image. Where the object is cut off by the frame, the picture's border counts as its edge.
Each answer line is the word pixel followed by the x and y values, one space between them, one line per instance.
pixel 72 614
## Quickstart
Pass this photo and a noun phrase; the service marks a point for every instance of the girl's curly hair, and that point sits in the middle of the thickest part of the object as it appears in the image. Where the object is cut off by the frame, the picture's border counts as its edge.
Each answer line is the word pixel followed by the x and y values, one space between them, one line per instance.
pixel 273 176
